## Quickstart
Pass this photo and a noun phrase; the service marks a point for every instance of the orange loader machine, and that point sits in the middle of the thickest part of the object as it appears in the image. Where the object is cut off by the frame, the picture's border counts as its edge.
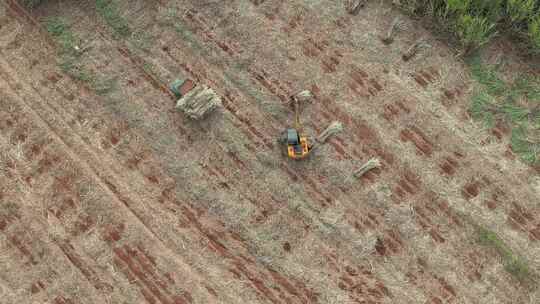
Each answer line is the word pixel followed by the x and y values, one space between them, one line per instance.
pixel 297 143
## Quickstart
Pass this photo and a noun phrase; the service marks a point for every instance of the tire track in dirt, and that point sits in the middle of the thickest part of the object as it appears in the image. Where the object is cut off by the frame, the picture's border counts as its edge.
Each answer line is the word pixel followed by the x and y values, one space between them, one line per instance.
pixel 58 108
pixel 142 269
pixel 107 183
pixel 54 130
pixel 77 262
pixel 70 256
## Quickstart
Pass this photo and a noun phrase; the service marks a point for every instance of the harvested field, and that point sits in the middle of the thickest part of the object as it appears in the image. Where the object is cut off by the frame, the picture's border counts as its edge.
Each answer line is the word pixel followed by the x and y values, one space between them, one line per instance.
pixel 110 195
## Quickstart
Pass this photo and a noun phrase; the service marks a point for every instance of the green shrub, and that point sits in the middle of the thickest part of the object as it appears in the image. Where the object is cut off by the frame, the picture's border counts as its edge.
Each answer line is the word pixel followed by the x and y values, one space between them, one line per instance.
pixel 108 9
pixel 59 29
pixel 513 263
pixel 482 108
pixel 457 5
pixel 515 104
pixel 518 268
pixel 474 31
pixel 528 86
pixel 519 10
pixel 534 33
pixel 103 86
pixel 487 76
pixel 524 146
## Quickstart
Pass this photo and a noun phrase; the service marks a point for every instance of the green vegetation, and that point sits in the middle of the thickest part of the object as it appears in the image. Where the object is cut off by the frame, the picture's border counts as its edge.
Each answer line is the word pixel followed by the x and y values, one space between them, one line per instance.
pixel 71 66
pixel 108 9
pixel 103 86
pixel 58 28
pixel 475 22
pixel 517 105
pixel 474 31
pixel 487 76
pixel 31 3
pixel 9 209
pixel 149 68
pixel 70 57
pixel 534 33
pixel 513 263
pixel 141 40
